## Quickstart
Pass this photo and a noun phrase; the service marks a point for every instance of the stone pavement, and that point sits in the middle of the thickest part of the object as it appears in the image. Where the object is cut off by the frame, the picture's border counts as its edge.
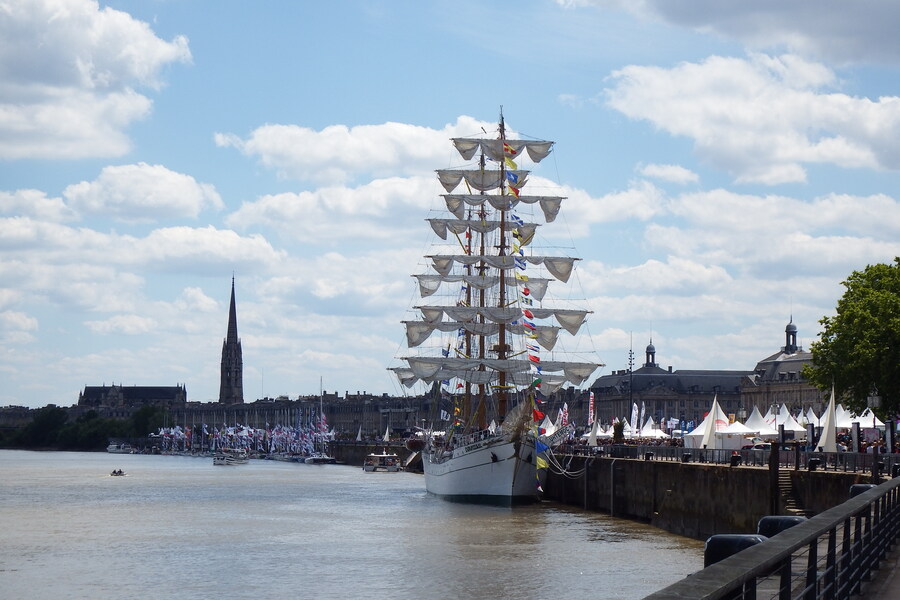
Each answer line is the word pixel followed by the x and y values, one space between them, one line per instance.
pixel 886 580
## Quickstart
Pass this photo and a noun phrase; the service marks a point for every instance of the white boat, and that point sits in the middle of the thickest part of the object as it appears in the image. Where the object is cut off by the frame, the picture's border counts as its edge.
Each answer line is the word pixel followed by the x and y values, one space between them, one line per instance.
pixel 319 458
pixel 120 448
pixel 387 462
pixel 229 457
pixel 497 327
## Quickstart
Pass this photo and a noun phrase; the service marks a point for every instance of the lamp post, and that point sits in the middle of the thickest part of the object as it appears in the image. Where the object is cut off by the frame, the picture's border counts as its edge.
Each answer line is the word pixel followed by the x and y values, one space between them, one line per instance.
pixel 874 401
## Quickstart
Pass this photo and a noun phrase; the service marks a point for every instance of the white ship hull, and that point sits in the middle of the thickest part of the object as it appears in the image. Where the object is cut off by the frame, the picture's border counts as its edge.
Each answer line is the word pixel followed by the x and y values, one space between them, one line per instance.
pixel 493 471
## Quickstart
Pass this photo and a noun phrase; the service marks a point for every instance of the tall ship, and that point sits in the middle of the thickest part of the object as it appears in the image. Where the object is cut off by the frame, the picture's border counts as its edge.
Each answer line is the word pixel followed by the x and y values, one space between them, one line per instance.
pixel 486 333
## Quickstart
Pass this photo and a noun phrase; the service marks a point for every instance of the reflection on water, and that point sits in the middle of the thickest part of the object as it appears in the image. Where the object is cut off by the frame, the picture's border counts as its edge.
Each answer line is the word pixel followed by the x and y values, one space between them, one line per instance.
pixel 180 526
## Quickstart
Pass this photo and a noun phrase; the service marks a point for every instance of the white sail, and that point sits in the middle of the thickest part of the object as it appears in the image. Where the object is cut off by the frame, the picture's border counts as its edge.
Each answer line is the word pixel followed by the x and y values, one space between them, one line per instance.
pixel 491 335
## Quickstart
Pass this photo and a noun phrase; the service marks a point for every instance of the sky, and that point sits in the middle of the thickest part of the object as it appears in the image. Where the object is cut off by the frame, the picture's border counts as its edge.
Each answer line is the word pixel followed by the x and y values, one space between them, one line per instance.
pixel 727 164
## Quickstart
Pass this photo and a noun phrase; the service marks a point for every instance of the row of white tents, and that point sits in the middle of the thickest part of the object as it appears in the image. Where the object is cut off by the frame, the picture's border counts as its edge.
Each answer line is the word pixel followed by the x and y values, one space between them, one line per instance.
pixel 716 432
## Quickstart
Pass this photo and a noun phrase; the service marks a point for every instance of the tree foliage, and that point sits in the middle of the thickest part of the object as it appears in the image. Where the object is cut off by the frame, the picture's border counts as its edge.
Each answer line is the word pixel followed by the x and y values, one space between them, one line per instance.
pixel 859 347
pixel 50 428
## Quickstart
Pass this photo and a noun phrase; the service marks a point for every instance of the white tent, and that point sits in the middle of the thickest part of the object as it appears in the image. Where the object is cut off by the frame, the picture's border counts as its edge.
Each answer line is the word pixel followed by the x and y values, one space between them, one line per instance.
pixel 810 418
pixel 868 420
pixel 704 436
pixel 592 435
pixel 649 431
pixel 758 423
pixel 548 426
pixel 828 439
pixel 732 437
pixel 843 419
pixel 771 418
pixel 789 422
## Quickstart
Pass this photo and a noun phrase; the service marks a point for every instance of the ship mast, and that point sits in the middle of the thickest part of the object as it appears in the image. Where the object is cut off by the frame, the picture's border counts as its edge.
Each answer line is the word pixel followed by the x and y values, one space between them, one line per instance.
pixel 501 347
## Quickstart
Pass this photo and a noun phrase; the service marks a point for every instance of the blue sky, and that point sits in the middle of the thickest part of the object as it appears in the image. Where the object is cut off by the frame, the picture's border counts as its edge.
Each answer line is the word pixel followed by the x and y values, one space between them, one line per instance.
pixel 727 165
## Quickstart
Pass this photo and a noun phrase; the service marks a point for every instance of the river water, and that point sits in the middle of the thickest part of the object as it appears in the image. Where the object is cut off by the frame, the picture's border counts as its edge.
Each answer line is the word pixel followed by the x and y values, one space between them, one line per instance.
pixel 180 527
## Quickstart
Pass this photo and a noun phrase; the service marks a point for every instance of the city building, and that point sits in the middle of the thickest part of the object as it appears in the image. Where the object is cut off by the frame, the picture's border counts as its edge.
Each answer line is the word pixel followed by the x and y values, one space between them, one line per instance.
pixel 664 394
pixel 121 401
pixel 778 379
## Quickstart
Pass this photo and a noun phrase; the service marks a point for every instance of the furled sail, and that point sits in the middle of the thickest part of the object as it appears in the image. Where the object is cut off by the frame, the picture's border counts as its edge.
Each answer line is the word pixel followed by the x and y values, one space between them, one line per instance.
pixel 497 150
pixel 558 266
pixel 457 226
pixel 429 284
pixel 457 203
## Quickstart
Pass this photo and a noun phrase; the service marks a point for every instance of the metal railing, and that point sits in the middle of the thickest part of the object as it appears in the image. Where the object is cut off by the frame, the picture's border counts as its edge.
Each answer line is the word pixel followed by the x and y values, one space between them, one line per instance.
pixel 788 458
pixel 828 556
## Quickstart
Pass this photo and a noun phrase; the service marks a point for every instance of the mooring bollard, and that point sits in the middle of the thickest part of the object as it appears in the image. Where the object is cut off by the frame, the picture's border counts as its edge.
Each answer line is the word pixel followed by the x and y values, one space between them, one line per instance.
pixel 774 524
pixel 721 546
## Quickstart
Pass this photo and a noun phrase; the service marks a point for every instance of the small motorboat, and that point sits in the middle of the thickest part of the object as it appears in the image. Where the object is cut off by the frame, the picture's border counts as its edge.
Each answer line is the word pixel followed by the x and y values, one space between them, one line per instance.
pixel 117 473
pixel 389 463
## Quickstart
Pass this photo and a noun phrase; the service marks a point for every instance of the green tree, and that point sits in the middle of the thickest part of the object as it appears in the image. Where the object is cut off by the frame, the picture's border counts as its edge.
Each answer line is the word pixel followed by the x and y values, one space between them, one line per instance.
pixel 618 432
pixel 43 429
pixel 147 420
pixel 859 348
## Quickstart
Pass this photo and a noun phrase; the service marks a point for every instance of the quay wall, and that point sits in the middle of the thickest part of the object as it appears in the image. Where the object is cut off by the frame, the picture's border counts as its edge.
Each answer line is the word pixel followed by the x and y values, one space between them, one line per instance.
pixel 695 500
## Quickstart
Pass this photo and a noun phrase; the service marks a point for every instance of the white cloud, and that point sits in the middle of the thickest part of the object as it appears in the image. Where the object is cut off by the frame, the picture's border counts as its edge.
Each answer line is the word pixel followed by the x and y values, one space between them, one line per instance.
pixel 671 173
pixel 68 73
pixel 16 320
pixel 763 118
pixel 864 31
pixel 35 204
pixel 123 324
pixel 675 276
pixel 383 209
pixel 141 193
pixel 642 201
pixel 777 236
pixel 337 154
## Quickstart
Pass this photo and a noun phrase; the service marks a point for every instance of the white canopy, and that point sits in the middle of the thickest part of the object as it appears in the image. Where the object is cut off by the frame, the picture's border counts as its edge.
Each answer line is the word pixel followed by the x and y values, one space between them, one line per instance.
pixel 869 420
pixel 810 417
pixel 649 431
pixel 790 423
pixel 844 420
pixel 592 437
pixel 828 439
pixel 548 426
pixel 758 423
pixel 705 434
pixel 737 428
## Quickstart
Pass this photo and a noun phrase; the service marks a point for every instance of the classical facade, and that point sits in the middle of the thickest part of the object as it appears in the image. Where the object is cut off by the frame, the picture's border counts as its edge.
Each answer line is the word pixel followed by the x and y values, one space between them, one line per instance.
pixel 778 379
pixel 231 385
pixel 686 395
pixel 122 400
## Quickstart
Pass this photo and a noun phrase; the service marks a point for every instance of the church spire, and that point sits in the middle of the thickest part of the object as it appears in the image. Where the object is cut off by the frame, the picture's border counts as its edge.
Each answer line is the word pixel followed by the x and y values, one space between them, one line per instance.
pixel 232 336
pixel 231 386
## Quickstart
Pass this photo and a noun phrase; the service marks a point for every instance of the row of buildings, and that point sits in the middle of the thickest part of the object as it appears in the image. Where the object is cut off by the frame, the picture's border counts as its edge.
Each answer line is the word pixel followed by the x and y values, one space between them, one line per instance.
pixel 663 393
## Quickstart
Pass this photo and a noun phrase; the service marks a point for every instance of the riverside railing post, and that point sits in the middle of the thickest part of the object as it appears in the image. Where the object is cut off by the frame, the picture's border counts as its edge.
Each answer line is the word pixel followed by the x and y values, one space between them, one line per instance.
pixel 831 566
pixel 845 562
pixel 811 570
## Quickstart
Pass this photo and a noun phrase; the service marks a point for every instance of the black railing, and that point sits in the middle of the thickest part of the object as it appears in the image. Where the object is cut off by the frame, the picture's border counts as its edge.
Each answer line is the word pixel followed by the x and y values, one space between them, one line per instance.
pixel 828 556
pixel 788 456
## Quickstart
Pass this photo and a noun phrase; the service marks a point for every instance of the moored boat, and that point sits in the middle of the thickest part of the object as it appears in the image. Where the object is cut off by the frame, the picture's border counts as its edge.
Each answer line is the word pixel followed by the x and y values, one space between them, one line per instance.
pixel 496 356
pixel 387 462
pixel 319 458
pixel 230 456
pixel 120 448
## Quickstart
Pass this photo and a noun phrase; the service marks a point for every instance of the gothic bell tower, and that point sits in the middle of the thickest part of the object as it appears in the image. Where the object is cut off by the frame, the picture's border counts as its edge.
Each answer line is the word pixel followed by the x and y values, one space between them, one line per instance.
pixel 231 387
